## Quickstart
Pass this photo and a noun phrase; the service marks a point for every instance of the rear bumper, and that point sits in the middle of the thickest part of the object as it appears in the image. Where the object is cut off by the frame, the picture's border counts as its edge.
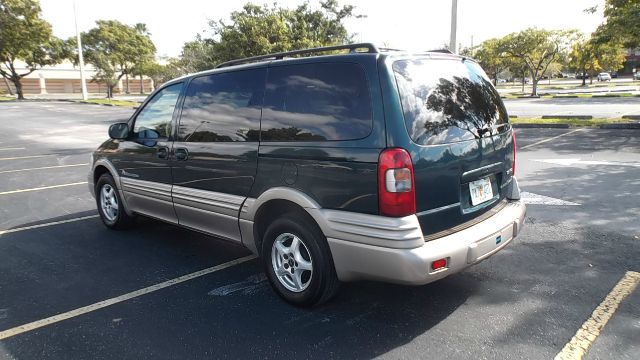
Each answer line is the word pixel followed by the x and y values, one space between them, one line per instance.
pixel 412 266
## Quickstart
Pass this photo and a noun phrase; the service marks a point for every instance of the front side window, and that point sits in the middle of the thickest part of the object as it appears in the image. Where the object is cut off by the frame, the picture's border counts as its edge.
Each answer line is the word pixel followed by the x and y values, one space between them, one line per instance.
pixel 223 107
pixel 154 120
pixel 316 102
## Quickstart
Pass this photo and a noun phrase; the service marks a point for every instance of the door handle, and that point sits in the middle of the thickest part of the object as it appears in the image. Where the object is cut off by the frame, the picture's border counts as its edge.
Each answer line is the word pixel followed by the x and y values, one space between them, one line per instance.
pixel 163 152
pixel 181 154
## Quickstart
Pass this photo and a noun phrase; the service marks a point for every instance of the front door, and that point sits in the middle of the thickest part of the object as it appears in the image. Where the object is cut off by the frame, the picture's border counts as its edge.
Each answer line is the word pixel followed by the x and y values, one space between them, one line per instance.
pixel 216 152
pixel 143 159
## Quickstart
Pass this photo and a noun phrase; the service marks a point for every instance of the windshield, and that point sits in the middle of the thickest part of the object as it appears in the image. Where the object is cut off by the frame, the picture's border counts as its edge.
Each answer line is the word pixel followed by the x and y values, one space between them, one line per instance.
pixel 446 100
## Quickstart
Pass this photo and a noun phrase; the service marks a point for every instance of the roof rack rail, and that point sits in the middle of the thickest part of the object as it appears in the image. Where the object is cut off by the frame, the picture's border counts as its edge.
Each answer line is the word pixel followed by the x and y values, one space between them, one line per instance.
pixel 372 49
pixel 446 51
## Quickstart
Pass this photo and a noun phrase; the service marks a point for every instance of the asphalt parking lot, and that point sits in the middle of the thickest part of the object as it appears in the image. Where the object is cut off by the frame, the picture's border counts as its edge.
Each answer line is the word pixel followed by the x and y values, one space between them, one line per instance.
pixel 526 302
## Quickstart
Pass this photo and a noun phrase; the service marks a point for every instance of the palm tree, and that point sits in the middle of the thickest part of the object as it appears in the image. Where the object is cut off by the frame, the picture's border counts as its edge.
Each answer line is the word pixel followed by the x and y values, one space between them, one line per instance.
pixel 141 28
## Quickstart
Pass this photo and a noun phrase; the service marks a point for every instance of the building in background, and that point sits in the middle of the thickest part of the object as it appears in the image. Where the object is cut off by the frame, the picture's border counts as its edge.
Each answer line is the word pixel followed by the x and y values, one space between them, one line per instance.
pixel 64 78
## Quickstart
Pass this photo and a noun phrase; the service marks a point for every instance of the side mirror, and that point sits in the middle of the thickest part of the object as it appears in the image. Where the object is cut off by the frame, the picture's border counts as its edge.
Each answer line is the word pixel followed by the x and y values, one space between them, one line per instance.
pixel 119 131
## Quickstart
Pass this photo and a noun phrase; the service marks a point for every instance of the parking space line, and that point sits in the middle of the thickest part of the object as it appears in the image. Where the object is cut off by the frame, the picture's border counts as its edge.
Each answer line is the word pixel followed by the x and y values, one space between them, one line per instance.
pixel 587 334
pixel 42 188
pixel 12 148
pixel 128 296
pixel 549 139
pixel 9 231
pixel 25 157
pixel 42 168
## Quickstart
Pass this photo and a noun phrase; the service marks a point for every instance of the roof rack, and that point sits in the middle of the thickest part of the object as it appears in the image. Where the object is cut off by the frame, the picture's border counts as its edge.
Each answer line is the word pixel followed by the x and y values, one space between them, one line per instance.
pixel 371 49
pixel 446 51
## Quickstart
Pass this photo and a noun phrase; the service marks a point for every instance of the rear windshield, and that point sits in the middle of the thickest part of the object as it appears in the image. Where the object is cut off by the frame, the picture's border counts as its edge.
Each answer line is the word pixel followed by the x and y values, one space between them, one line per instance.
pixel 447 101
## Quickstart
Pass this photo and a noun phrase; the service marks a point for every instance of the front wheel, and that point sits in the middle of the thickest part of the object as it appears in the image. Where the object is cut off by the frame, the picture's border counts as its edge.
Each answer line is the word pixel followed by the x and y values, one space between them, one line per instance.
pixel 298 261
pixel 110 205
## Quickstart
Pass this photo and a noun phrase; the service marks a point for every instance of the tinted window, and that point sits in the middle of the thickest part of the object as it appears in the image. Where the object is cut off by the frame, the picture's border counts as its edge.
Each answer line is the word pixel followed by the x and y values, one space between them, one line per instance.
pixel 447 100
pixel 316 102
pixel 223 107
pixel 154 120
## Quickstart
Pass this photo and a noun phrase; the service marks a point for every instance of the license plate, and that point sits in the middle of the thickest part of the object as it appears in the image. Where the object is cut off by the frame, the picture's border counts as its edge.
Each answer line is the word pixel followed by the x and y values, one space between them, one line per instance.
pixel 480 191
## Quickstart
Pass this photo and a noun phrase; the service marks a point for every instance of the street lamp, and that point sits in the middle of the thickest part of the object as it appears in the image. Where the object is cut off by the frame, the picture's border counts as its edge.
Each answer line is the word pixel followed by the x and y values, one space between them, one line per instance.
pixel 83 83
pixel 454 25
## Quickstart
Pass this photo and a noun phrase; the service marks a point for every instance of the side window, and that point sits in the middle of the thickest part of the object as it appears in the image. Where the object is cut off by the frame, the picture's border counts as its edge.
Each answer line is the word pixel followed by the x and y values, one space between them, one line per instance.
pixel 223 107
pixel 154 120
pixel 316 102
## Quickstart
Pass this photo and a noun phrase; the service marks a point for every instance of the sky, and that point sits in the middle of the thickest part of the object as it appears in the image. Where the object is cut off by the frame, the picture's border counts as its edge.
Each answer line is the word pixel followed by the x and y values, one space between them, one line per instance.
pixel 404 24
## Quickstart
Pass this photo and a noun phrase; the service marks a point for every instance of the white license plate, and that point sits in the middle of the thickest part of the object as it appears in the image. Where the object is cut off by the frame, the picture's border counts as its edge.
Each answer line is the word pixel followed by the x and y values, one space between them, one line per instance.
pixel 480 191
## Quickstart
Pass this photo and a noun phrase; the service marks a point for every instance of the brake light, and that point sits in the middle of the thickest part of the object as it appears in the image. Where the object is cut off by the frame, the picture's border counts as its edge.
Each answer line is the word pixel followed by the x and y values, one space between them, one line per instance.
pixel 396 185
pixel 513 166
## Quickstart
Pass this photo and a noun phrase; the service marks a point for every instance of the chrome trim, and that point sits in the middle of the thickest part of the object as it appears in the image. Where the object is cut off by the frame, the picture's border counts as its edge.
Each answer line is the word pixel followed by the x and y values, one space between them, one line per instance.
pixel 438 209
pixel 212 201
pixel 480 169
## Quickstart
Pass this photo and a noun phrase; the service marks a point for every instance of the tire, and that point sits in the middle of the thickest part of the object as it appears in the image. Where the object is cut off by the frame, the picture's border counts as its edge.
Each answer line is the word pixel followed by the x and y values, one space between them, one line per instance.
pixel 107 195
pixel 295 283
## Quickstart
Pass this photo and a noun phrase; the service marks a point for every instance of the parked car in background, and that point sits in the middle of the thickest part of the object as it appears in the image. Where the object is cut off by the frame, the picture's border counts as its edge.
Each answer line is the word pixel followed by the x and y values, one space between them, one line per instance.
pixel 604 77
pixel 614 74
pixel 582 76
pixel 331 168
pixel 636 75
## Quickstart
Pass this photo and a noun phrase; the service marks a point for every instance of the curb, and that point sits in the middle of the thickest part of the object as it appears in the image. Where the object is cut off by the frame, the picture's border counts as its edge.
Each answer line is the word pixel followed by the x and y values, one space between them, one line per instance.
pixel 621 126
pixel 569 126
pixel 542 126
pixel 631 117
pixel 581 117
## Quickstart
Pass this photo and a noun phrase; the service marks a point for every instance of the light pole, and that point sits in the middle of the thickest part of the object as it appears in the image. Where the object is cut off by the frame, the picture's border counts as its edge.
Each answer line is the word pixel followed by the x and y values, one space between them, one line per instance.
pixel 454 25
pixel 83 83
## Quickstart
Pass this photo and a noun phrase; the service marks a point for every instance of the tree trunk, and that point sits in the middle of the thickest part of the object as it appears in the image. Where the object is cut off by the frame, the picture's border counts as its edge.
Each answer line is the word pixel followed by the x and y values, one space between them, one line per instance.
pixel 6 82
pixel 110 91
pixel 523 74
pixel 18 85
pixel 126 83
pixel 534 86
pixel 141 85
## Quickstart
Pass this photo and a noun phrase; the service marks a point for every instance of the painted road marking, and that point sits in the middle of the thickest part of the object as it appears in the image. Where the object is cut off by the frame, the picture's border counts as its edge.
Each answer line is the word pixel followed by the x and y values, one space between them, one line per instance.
pixel 549 139
pixel 569 162
pixel 42 168
pixel 9 231
pixel 128 296
pixel 25 157
pixel 13 148
pixel 42 188
pixel 536 199
pixel 587 334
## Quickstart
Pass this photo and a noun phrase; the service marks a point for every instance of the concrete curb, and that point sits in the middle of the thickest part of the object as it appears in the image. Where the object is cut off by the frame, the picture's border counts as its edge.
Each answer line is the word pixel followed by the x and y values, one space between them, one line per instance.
pixel 542 126
pixel 581 117
pixel 631 117
pixel 621 126
pixel 569 126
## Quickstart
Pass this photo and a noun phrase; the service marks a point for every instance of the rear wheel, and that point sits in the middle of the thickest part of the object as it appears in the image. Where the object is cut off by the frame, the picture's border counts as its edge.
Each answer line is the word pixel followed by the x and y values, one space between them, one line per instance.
pixel 298 261
pixel 110 205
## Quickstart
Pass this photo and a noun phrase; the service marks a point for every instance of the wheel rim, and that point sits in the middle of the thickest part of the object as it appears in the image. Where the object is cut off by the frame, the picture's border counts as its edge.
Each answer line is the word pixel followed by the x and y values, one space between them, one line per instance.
pixel 109 202
pixel 292 263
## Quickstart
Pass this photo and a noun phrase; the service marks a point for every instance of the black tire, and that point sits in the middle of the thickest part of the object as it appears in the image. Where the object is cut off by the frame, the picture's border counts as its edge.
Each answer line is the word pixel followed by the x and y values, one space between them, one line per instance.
pixel 323 283
pixel 121 220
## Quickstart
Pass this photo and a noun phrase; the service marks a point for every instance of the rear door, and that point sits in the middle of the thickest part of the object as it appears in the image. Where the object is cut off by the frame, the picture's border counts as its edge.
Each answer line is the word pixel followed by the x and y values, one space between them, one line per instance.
pixel 215 155
pixel 461 141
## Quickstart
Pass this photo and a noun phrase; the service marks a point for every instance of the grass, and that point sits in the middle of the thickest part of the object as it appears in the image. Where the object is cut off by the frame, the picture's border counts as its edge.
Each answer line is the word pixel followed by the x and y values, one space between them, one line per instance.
pixel 573 122
pixel 113 102
pixel 6 98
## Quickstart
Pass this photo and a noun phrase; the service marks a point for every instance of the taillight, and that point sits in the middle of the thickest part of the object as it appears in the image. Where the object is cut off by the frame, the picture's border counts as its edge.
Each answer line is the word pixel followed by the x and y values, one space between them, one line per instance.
pixel 396 184
pixel 513 166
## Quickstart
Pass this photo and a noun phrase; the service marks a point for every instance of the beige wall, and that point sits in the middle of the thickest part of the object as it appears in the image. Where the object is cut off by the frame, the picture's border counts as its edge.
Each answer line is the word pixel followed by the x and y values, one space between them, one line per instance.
pixel 31 86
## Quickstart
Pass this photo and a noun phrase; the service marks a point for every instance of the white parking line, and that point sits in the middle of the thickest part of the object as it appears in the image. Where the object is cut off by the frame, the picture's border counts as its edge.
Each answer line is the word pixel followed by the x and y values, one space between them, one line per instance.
pixel 42 168
pixel 13 148
pixel 9 231
pixel 128 296
pixel 549 139
pixel 589 331
pixel 41 188
pixel 25 157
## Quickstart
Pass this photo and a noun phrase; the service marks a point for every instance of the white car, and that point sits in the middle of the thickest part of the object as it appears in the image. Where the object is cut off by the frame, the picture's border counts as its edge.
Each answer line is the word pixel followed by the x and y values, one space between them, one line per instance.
pixel 604 77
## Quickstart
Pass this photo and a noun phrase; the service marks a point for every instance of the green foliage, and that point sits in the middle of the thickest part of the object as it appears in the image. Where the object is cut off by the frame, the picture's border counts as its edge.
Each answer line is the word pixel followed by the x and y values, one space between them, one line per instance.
pixel 622 22
pixel 258 30
pixel 490 56
pixel 537 49
pixel 592 56
pixel 25 36
pixel 117 49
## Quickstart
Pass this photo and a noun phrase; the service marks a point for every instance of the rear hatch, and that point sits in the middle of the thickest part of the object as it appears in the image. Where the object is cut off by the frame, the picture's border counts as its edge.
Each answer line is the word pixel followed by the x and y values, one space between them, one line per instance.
pixel 462 145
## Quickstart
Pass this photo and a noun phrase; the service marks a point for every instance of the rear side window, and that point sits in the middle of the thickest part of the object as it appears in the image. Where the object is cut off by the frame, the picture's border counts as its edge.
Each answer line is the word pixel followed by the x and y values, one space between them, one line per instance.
pixel 223 107
pixel 446 100
pixel 316 102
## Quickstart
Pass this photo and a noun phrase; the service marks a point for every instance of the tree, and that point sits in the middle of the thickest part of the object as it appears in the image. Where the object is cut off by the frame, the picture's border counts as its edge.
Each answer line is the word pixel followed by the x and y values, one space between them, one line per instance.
pixel 622 22
pixel 258 30
pixel 115 49
pixel 591 56
pixel 537 49
pixel 25 36
pixel 491 57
